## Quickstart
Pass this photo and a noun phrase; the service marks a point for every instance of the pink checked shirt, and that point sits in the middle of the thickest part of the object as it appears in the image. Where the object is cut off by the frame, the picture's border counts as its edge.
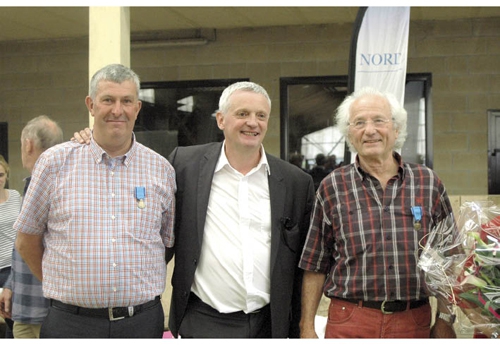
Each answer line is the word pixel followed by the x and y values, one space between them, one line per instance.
pixel 101 248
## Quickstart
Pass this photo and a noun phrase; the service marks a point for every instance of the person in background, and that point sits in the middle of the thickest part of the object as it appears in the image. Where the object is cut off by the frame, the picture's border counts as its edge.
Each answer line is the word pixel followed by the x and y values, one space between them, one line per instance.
pixel 10 204
pixel 368 222
pixel 242 216
pixel 96 220
pixel 330 163
pixel 22 298
pixel 297 159
pixel 318 172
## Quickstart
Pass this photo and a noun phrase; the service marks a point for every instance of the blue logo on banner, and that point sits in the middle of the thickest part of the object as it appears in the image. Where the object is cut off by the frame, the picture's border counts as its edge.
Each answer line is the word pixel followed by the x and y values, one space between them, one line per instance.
pixel 384 59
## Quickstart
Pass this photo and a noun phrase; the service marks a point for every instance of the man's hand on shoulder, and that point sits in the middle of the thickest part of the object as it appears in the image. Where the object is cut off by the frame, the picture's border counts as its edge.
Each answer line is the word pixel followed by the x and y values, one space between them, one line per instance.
pixel 82 137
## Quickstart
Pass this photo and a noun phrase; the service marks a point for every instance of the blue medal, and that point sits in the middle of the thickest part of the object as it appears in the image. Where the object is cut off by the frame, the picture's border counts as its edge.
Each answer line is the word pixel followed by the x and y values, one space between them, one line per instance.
pixel 140 194
pixel 417 217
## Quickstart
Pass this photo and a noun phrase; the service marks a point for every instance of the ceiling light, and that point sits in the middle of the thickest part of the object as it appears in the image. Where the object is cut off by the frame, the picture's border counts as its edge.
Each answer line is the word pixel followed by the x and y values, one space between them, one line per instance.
pixel 169 43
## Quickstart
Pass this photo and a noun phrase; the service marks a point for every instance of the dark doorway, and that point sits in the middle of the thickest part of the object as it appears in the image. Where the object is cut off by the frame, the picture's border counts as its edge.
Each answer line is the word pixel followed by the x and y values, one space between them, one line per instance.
pixel 180 113
pixel 493 151
pixel 308 128
pixel 308 107
pixel 4 140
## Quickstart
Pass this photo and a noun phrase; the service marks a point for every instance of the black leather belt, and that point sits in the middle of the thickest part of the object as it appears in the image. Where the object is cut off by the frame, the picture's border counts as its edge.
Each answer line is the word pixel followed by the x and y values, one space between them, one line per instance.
pixel 389 307
pixel 112 314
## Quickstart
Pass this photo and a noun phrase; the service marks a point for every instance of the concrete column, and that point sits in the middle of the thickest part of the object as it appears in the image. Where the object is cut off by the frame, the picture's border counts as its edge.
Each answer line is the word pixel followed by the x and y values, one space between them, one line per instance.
pixel 109 39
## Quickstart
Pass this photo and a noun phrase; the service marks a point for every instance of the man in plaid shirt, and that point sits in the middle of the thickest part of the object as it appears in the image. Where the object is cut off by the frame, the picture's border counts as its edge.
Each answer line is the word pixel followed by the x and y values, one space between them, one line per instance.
pixel 97 219
pixel 22 298
pixel 367 225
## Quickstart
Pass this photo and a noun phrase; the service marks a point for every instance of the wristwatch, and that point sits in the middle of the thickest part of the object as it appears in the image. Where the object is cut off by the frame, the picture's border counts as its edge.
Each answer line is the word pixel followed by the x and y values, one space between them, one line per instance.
pixel 450 318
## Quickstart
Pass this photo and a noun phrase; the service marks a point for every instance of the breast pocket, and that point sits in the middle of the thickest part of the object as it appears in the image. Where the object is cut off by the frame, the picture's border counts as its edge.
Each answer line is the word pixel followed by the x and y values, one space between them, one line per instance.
pixel 146 219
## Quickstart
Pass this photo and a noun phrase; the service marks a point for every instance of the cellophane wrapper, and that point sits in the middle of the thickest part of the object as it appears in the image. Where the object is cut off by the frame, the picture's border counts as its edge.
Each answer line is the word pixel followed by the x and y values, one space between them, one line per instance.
pixel 461 262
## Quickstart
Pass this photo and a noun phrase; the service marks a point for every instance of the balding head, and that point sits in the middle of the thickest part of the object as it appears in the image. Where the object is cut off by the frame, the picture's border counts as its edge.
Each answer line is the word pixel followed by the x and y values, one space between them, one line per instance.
pixel 37 136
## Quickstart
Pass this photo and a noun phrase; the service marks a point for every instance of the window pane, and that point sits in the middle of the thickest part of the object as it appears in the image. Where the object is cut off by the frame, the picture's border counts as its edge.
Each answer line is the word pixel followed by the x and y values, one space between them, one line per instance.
pixel 179 114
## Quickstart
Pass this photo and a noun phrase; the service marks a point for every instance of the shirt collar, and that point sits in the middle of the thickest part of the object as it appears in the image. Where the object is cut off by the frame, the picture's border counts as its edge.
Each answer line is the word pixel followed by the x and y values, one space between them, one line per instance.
pixel 99 154
pixel 222 162
pixel 397 156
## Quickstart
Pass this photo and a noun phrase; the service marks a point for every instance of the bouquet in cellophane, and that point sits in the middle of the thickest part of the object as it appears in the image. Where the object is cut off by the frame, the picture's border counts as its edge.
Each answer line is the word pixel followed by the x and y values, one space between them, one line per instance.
pixel 461 261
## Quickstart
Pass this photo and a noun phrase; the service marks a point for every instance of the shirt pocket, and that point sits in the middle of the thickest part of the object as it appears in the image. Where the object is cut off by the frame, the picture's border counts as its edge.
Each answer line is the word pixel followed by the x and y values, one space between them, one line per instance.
pixel 146 220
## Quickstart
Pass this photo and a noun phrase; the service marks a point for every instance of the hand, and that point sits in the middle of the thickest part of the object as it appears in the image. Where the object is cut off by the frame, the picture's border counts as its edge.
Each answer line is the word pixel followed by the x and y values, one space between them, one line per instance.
pixel 5 303
pixel 82 137
pixel 442 329
pixel 308 333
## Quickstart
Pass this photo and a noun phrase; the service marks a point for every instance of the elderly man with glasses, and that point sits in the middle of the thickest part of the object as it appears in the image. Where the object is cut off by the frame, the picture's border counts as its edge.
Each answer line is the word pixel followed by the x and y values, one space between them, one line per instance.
pixel 369 220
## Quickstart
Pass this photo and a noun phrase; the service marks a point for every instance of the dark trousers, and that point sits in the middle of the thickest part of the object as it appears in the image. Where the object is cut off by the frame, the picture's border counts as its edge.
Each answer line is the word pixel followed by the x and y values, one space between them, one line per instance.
pixel 4 274
pixel 63 324
pixel 203 321
pixel 9 324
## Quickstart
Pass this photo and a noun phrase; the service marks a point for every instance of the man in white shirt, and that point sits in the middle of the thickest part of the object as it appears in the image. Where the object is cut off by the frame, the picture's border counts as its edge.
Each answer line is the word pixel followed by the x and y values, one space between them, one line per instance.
pixel 241 220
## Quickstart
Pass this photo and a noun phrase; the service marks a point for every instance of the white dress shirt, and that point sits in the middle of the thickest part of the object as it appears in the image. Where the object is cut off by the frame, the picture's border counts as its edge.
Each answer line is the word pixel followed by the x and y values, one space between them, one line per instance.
pixel 233 272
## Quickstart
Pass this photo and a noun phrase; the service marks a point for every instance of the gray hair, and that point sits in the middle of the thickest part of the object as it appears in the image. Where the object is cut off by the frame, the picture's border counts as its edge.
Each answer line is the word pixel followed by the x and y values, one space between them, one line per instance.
pixel 241 85
pixel 115 73
pixel 398 114
pixel 43 131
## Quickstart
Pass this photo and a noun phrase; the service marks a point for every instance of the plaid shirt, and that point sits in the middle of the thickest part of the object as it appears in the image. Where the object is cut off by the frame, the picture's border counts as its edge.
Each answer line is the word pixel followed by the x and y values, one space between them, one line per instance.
pixel 365 238
pixel 101 249
pixel 28 304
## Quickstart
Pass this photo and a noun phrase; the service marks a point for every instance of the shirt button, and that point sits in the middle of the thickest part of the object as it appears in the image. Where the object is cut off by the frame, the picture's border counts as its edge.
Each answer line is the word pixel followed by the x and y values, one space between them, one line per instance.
pixel 113 217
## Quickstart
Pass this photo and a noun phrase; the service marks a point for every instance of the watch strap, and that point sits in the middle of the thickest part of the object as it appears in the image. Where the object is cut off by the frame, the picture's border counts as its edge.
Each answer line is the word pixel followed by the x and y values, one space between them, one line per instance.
pixel 450 318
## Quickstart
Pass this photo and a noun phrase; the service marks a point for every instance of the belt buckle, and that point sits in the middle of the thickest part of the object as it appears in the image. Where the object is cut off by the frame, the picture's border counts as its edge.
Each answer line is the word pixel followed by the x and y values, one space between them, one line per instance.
pixel 112 317
pixel 382 309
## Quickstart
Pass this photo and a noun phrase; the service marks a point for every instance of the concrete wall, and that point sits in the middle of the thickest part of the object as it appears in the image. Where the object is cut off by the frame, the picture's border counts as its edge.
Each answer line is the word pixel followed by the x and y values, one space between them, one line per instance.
pixel 463 56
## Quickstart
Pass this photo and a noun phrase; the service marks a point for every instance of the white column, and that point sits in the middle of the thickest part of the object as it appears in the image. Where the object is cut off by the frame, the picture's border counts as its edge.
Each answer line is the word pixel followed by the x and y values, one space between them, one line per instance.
pixel 109 38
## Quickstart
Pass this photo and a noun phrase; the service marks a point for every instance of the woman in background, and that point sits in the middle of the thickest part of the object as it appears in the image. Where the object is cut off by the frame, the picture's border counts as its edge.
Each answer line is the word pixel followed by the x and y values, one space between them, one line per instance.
pixel 10 205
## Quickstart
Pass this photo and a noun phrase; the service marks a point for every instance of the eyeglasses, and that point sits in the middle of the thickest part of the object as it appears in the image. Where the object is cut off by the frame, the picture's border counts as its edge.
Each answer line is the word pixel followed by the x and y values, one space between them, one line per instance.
pixel 377 123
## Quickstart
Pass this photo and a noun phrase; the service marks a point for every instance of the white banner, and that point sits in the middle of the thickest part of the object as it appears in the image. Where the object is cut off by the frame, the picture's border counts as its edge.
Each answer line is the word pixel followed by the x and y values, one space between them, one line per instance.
pixel 382 48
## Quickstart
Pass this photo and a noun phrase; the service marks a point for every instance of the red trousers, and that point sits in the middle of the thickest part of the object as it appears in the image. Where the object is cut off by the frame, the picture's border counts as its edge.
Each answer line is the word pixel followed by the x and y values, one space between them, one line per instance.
pixel 349 320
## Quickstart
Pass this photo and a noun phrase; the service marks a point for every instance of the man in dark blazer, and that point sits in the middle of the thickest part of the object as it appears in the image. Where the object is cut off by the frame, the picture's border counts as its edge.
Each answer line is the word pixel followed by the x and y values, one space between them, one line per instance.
pixel 226 193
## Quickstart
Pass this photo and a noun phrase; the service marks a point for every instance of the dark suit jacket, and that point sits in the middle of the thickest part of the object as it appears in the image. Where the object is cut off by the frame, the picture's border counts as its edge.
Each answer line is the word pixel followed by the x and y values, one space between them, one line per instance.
pixel 291 192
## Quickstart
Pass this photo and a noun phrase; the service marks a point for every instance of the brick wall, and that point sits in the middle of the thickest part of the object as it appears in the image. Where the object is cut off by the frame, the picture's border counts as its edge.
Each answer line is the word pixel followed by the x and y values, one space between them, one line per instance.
pixel 462 55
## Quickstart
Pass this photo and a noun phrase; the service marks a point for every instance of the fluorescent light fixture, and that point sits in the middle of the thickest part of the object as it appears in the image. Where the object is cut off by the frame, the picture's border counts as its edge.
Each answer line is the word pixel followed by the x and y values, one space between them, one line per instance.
pixel 169 43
